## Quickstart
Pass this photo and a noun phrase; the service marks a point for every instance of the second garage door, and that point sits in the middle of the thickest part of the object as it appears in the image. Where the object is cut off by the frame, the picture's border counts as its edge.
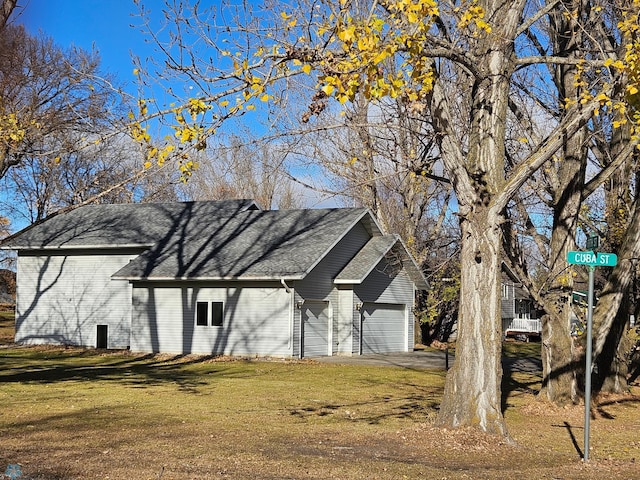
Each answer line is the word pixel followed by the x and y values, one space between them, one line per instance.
pixel 383 328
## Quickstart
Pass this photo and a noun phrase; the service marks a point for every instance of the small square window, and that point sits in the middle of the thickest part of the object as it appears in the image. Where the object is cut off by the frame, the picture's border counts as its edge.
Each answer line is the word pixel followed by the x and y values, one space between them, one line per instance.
pixel 202 313
pixel 217 314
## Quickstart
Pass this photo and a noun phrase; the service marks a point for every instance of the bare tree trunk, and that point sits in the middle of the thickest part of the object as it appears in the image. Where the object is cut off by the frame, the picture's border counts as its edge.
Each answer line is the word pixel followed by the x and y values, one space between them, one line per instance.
pixel 477 370
pixel 6 8
pixel 611 313
pixel 611 368
pixel 558 365
pixel 473 394
pixel 610 374
pixel 558 384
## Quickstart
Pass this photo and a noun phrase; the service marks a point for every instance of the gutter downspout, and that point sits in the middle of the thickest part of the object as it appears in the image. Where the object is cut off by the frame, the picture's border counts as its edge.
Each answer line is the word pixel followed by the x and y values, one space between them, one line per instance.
pixel 289 290
pixel 284 284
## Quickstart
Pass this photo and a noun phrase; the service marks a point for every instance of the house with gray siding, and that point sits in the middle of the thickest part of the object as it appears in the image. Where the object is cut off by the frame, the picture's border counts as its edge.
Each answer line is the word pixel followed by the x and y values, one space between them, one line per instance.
pixel 520 317
pixel 217 277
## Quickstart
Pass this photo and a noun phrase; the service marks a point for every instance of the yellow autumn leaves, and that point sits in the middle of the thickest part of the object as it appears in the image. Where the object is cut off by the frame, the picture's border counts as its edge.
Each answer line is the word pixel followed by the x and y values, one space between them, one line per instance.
pixel 363 51
pixel 384 53
pixel 363 46
pixel 628 110
pixel 368 43
pixel 187 130
pixel 12 131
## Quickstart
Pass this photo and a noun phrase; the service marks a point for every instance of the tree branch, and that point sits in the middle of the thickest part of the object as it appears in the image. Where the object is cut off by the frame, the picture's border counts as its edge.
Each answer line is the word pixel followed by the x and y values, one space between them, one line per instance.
pixel 544 152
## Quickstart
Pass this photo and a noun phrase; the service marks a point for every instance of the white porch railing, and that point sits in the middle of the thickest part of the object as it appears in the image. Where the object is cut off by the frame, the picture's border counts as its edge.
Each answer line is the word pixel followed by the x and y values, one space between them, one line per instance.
pixel 524 325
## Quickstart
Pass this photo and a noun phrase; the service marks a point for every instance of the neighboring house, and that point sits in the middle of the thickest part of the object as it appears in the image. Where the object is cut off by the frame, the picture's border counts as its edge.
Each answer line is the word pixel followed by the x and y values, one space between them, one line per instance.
pixel 219 277
pixel 519 312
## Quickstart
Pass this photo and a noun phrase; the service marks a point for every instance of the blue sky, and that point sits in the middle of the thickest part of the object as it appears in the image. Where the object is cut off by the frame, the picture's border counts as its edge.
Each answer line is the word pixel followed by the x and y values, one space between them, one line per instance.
pixel 103 24
pixel 109 26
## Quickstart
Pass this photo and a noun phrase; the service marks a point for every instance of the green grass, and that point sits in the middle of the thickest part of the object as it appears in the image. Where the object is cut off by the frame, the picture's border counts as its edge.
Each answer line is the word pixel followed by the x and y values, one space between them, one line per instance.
pixel 7 327
pixel 178 412
pixel 514 349
pixel 71 413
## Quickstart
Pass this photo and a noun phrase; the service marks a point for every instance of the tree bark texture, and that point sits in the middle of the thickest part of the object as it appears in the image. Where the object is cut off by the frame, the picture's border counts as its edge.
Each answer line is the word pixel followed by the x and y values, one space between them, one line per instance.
pixel 473 394
pixel 558 365
pixel 558 355
pixel 611 313
pixel 6 8
pixel 473 389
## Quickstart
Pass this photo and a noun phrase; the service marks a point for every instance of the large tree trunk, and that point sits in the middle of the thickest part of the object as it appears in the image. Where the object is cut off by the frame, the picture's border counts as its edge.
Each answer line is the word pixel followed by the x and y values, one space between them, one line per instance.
pixel 610 374
pixel 472 394
pixel 6 8
pixel 558 356
pixel 558 365
pixel 611 314
pixel 558 360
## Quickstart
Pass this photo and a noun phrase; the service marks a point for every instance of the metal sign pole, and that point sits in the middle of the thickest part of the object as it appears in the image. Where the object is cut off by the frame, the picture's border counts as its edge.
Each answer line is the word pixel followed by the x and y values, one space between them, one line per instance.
pixel 588 367
pixel 591 259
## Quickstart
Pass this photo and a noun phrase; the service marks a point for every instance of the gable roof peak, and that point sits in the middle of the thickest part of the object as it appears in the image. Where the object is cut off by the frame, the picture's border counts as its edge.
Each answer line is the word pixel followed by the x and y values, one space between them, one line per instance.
pixel 270 244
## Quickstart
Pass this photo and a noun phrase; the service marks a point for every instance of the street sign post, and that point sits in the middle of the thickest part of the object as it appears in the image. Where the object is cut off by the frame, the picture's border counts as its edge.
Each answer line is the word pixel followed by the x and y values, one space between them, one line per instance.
pixel 593 242
pixel 592 259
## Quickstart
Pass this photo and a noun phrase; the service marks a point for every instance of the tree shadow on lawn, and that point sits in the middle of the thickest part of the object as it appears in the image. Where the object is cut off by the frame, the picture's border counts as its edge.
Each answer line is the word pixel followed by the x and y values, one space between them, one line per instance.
pixel 529 378
pixel 419 405
pixel 603 402
pixel 140 371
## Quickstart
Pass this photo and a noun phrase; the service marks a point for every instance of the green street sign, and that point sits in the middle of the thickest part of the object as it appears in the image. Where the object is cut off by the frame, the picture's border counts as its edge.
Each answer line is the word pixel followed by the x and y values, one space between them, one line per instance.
pixel 599 259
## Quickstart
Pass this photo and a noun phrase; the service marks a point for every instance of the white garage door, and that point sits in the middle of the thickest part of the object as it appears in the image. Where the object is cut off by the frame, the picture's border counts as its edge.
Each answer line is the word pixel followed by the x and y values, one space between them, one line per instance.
pixel 383 328
pixel 315 329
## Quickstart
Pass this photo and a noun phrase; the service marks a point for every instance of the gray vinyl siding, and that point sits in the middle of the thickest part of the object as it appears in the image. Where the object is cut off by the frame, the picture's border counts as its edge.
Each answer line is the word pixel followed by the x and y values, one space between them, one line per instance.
pixel 386 285
pixel 62 298
pixel 356 328
pixel 318 285
pixel 257 319
pixel 507 305
pixel 411 325
pixel 297 326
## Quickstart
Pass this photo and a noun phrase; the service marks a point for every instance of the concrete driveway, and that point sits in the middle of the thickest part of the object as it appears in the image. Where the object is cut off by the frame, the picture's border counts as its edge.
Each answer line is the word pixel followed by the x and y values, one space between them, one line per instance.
pixel 416 359
pixel 431 359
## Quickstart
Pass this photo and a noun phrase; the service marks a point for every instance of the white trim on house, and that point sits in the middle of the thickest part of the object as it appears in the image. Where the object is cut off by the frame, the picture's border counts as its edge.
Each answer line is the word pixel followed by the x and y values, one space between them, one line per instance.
pixel 242 261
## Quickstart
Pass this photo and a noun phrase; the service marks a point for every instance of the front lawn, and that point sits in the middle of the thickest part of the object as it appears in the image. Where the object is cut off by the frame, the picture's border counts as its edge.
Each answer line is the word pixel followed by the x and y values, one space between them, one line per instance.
pixel 515 349
pixel 7 326
pixel 78 414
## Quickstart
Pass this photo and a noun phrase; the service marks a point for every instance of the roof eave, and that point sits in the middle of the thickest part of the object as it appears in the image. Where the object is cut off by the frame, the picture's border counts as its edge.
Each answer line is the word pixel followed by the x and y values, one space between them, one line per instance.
pixel 268 278
pixel 76 247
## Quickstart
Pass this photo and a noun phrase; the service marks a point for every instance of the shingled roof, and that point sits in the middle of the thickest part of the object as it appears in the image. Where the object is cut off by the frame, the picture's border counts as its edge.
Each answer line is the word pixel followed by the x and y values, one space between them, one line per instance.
pixel 119 225
pixel 377 248
pixel 278 244
pixel 216 240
